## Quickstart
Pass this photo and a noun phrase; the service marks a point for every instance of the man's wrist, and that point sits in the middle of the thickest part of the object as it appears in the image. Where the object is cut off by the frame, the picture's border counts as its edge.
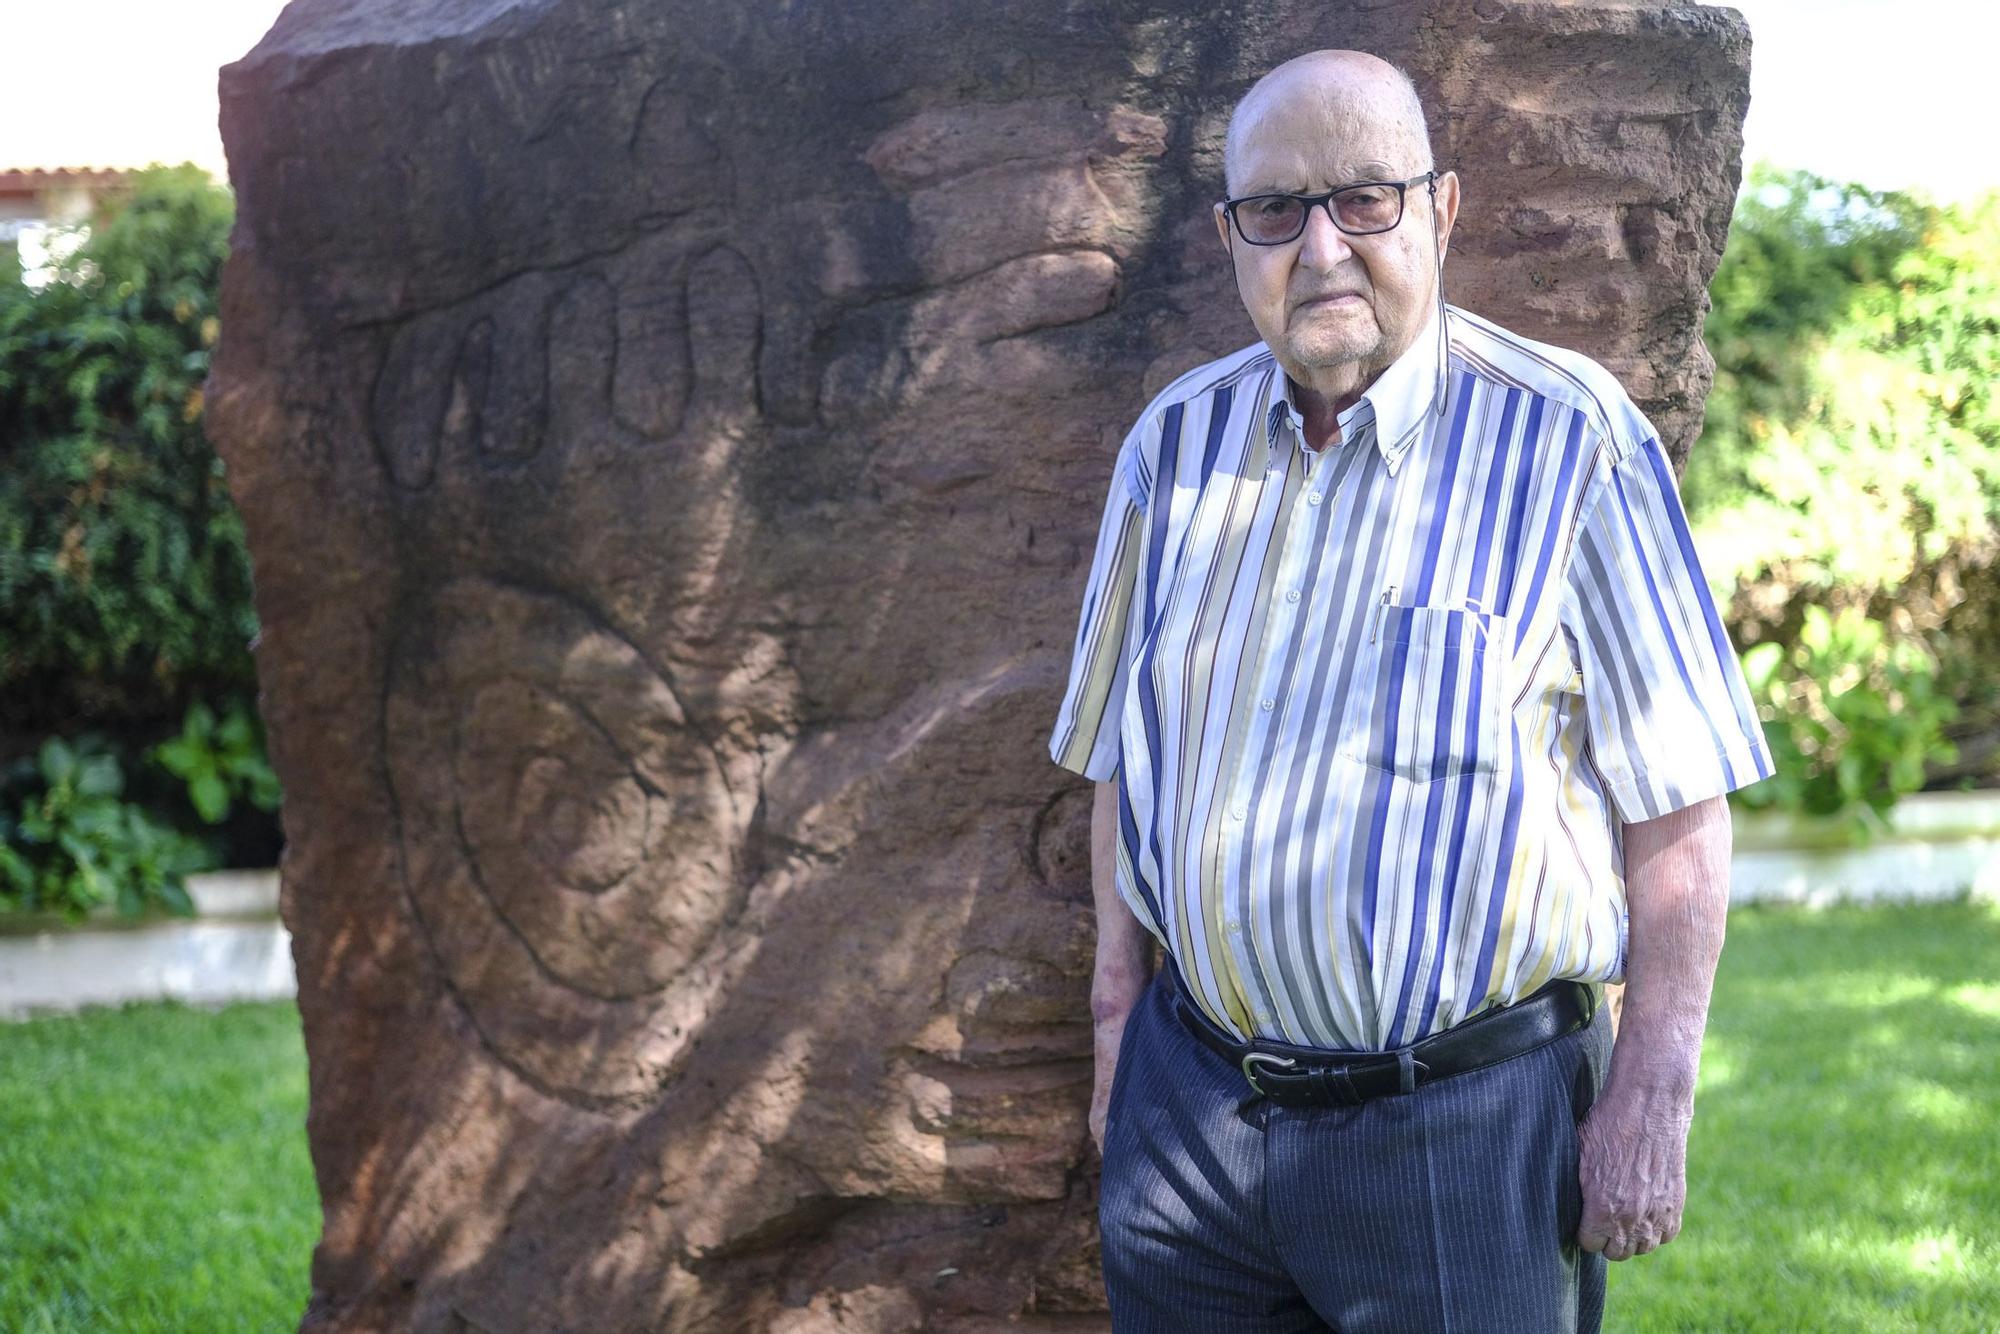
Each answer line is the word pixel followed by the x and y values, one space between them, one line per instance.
pixel 1653 1068
pixel 1662 1085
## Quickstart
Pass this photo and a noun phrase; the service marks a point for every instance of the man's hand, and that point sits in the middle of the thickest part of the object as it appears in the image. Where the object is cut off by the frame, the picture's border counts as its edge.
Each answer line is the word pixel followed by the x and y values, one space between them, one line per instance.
pixel 1632 1147
pixel 1632 1162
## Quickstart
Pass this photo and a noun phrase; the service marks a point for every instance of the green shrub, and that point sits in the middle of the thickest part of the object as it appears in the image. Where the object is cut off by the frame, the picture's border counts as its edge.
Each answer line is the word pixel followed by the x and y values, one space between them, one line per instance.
pixel 1851 716
pixel 70 844
pixel 125 608
pixel 124 583
pixel 220 760
pixel 1846 489
pixel 1803 251
pixel 1852 440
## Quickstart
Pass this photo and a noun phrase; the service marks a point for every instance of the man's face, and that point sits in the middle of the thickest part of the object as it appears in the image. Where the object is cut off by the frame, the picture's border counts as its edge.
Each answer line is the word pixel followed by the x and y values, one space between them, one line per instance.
pixel 1384 281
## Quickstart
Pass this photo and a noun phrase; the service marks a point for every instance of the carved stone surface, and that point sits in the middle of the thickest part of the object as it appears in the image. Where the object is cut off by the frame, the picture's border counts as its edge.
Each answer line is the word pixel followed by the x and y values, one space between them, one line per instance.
pixel 671 440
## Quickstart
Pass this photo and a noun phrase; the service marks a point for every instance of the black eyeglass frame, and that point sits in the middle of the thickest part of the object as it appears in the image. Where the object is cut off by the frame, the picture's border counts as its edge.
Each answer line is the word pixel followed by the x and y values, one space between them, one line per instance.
pixel 1326 200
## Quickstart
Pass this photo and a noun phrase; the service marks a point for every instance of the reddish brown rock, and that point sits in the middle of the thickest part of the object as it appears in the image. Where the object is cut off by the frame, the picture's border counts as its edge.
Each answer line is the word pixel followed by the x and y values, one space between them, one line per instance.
pixel 671 439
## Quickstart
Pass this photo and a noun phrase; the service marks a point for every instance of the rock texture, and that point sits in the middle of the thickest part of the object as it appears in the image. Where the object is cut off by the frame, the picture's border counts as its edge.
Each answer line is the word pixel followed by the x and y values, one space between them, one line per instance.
pixel 671 439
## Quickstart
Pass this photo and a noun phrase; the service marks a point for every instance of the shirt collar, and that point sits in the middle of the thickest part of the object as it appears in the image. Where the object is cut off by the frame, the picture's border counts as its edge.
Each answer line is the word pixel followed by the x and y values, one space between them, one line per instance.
pixel 1393 407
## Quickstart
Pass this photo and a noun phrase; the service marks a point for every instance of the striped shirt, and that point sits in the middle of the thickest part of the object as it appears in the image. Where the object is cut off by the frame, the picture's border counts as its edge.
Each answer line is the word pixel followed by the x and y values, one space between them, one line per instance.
pixel 1378 713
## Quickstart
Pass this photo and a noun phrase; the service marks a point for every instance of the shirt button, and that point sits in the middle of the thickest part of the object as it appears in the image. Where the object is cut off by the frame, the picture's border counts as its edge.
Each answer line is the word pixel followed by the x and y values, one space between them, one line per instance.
pixel 1263 1016
pixel 1269 704
pixel 1292 596
pixel 1312 498
pixel 1235 925
pixel 1240 812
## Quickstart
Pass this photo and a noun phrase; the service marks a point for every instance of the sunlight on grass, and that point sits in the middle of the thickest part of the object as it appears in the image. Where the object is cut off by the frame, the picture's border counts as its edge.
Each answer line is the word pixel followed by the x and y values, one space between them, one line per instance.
pixel 1904 1256
pixel 1931 1255
pixel 1981 998
pixel 1945 1108
pixel 1844 1163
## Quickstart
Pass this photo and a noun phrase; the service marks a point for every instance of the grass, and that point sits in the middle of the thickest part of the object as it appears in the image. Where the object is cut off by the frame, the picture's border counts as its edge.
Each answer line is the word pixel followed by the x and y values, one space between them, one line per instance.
pixel 1844 1165
pixel 1844 1168
pixel 153 1170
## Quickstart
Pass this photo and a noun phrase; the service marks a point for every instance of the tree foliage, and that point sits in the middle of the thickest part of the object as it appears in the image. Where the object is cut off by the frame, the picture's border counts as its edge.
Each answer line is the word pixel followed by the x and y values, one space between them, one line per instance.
pixel 130 749
pixel 1849 466
pixel 124 582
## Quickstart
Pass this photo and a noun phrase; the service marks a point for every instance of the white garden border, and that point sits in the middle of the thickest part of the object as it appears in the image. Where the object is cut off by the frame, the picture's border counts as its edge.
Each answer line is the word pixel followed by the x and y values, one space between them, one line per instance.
pixel 234 949
pixel 1939 845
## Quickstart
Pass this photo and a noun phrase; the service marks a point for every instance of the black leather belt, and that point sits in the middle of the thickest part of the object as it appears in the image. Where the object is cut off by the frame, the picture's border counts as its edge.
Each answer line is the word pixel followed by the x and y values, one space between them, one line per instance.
pixel 1295 1076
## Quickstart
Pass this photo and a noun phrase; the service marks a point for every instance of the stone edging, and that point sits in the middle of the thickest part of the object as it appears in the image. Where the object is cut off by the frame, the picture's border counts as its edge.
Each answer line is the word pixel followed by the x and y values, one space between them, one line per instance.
pixel 236 949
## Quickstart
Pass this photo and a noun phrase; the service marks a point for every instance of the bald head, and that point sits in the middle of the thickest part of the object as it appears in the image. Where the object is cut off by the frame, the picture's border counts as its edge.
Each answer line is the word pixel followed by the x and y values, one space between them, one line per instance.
pixel 1338 301
pixel 1347 96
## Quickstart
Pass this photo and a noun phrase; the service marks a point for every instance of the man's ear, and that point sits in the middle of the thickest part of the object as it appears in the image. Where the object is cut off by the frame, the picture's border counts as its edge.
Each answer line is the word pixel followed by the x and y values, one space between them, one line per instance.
pixel 1447 209
pixel 1222 229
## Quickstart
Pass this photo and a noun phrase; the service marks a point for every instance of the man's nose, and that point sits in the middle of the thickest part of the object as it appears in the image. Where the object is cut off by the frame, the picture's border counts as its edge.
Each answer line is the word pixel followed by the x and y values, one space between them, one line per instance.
pixel 1324 245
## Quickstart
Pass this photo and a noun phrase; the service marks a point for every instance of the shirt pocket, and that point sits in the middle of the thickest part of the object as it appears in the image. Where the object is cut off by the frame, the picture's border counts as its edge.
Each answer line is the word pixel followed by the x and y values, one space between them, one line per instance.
pixel 1432 696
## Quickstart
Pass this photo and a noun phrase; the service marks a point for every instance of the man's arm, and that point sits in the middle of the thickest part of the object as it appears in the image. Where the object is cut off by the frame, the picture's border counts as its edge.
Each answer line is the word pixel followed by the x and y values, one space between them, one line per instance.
pixel 1124 953
pixel 1633 1151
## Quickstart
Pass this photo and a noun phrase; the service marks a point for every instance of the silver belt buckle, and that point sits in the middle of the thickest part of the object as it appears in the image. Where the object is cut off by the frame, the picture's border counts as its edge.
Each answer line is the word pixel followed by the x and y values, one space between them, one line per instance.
pixel 1278 1062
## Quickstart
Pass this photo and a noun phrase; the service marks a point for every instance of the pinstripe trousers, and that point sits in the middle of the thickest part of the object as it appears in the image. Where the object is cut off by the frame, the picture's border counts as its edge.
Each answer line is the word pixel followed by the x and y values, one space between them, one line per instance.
pixel 1453 1207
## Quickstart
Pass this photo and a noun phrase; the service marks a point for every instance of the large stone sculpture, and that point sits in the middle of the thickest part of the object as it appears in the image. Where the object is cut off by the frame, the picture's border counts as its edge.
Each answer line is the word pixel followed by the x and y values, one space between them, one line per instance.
pixel 671 439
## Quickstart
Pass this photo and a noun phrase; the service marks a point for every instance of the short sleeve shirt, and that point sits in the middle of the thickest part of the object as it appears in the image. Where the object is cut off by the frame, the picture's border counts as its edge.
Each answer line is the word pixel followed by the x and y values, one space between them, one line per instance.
pixel 1378 713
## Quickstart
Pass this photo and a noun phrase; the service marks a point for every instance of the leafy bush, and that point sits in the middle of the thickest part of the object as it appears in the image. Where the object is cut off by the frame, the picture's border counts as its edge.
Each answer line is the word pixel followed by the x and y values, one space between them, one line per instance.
pixel 1802 253
pixel 85 828
pixel 124 583
pixel 69 844
pixel 1852 439
pixel 1848 475
pixel 1852 717
pixel 125 608
pixel 220 760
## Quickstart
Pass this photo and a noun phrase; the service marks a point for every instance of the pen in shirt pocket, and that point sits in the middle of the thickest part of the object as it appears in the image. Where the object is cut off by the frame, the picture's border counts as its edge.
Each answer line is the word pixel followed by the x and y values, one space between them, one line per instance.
pixel 1381 610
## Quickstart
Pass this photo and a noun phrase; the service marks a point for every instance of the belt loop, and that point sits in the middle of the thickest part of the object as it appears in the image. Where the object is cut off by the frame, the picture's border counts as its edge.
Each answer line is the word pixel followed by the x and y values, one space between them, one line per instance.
pixel 1406 1070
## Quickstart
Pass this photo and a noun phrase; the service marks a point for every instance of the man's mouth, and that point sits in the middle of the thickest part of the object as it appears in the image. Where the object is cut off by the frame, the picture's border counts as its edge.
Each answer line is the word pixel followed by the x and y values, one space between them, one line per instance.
pixel 1333 299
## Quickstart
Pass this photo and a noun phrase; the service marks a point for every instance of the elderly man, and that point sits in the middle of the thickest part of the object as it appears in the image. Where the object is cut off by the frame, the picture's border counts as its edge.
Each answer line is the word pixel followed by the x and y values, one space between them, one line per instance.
pixel 1411 717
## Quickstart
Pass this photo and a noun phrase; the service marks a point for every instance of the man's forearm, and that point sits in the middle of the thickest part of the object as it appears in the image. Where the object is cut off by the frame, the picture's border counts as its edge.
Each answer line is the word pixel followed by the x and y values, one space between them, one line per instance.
pixel 1124 948
pixel 1677 900
pixel 1632 1146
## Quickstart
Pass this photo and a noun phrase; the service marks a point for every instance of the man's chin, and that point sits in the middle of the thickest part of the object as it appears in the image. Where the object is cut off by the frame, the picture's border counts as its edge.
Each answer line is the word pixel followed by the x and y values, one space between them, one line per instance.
pixel 1324 353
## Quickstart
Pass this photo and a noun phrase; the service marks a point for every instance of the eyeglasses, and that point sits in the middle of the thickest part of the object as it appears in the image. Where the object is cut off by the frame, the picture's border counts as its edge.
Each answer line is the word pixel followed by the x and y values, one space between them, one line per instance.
pixel 1361 209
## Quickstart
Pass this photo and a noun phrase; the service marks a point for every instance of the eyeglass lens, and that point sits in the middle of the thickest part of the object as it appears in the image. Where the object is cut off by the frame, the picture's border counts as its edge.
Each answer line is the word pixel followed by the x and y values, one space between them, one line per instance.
pixel 1272 219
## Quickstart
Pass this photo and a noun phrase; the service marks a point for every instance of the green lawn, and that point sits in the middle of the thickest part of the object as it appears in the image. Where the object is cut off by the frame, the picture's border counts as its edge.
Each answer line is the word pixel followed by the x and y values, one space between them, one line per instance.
pixel 1844 1167
pixel 153 1170
pixel 1844 1174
